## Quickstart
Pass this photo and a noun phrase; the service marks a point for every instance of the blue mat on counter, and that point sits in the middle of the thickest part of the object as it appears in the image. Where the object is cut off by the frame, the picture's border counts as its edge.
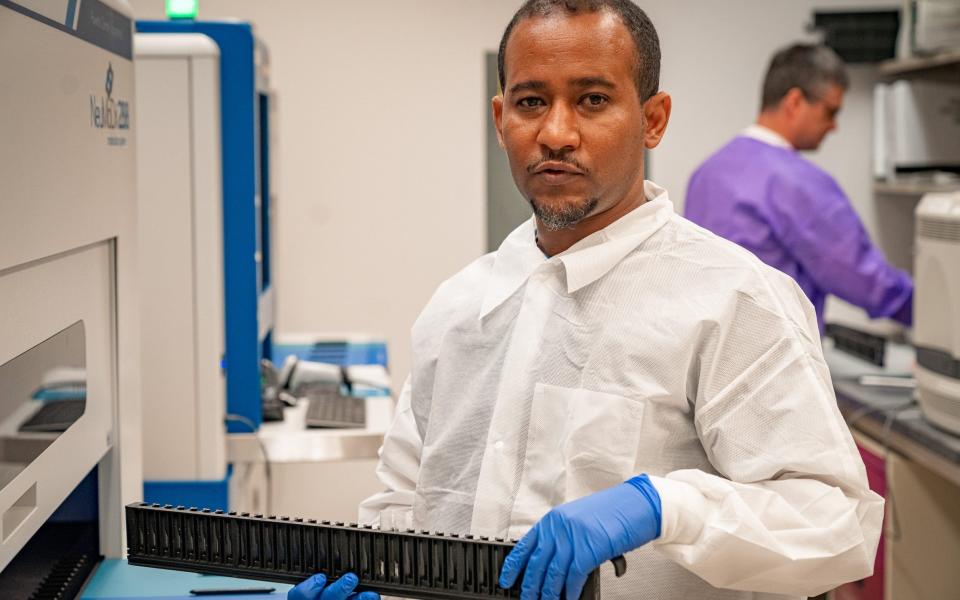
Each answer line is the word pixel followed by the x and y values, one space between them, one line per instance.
pixel 115 579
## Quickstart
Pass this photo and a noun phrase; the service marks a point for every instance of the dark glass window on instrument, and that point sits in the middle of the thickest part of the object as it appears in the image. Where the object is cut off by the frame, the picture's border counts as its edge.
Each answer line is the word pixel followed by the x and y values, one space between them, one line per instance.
pixel 43 391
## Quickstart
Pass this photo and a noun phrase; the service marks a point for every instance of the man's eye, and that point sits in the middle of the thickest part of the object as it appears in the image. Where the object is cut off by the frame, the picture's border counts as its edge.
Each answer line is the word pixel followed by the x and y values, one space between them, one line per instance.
pixel 531 102
pixel 594 100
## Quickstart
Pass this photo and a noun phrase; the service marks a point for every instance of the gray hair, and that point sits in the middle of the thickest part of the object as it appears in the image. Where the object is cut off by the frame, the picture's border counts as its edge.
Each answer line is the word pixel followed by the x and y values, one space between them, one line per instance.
pixel 641 29
pixel 809 67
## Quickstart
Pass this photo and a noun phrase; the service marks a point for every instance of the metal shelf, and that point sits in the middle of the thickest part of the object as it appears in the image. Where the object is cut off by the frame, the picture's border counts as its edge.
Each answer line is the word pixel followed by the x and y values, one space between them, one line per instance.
pixel 913 188
pixel 945 66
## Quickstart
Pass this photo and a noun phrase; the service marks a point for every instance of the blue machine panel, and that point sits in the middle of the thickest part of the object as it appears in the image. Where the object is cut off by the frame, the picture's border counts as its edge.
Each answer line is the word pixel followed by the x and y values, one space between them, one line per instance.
pixel 245 116
pixel 343 353
pixel 200 493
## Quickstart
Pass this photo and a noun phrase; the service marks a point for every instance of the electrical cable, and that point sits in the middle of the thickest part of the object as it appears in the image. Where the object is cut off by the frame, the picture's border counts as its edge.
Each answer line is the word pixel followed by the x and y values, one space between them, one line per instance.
pixel 890 415
pixel 263 450
pixel 868 410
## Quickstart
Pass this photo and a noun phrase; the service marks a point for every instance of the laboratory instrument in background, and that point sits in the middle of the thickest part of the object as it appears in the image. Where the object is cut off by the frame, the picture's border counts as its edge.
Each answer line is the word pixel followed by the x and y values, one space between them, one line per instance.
pixel 327 388
pixel 916 128
pixel 332 348
pixel 246 140
pixel 335 392
pixel 933 26
pixel 936 320
pixel 68 292
pixel 858 36
pixel 207 141
pixel 179 205
pixel 205 203
pixel 359 359
pixel 299 376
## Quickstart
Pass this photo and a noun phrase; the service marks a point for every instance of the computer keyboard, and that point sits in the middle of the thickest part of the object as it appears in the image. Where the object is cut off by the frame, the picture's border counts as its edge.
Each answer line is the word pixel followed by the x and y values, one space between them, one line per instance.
pixel 330 408
pixel 309 388
pixel 55 416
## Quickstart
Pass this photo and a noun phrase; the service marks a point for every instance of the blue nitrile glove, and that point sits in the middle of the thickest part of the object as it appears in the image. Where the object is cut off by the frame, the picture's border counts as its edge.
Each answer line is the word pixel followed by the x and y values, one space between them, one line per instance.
pixel 575 538
pixel 341 589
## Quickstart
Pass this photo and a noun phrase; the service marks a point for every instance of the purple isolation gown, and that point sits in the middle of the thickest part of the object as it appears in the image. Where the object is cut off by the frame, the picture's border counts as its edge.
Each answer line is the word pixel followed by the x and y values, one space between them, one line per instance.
pixel 795 217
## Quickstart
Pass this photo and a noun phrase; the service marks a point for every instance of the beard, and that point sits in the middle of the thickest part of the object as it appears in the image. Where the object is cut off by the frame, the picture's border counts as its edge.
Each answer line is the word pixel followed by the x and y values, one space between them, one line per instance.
pixel 566 216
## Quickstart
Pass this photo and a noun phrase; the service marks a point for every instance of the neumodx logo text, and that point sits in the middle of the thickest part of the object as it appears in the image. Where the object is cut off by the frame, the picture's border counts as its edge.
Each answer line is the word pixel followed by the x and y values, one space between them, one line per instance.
pixel 107 112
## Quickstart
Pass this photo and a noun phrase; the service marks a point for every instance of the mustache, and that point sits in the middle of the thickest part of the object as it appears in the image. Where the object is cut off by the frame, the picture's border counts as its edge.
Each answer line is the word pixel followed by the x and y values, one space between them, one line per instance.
pixel 557 157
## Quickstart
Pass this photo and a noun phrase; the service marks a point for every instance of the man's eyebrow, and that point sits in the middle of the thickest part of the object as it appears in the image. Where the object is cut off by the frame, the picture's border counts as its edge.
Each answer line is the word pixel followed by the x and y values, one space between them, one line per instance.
pixel 585 82
pixel 580 82
pixel 532 85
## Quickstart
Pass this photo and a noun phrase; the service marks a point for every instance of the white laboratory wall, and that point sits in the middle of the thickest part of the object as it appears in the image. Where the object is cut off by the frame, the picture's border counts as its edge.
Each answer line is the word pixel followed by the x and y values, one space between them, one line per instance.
pixel 714 58
pixel 381 141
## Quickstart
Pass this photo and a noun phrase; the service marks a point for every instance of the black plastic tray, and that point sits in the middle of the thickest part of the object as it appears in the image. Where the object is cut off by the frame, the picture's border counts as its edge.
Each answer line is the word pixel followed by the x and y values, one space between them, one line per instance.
pixel 409 564
pixel 863 345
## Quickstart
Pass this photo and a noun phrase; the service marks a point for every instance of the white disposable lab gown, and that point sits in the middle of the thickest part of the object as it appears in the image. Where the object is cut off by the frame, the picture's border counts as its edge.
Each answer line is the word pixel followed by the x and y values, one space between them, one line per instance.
pixel 651 346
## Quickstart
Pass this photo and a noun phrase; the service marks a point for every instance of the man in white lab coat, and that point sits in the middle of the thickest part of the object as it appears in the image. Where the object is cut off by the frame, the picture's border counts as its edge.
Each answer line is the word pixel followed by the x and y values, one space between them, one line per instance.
pixel 614 379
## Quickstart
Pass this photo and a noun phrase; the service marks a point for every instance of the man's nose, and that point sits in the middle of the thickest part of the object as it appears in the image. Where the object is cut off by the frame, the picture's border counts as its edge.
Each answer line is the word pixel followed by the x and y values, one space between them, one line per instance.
pixel 560 129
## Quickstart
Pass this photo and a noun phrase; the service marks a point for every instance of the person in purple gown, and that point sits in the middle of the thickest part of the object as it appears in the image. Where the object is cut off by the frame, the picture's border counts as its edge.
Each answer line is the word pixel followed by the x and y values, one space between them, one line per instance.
pixel 759 192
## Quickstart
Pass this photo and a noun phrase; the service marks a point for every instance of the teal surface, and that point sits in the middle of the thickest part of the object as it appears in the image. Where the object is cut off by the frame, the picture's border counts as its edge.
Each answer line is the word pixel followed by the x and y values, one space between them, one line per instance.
pixel 115 579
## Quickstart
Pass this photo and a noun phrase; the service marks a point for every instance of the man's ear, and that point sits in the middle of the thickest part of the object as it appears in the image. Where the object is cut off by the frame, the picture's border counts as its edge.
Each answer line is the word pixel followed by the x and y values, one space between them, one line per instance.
pixel 657 112
pixel 497 106
pixel 792 101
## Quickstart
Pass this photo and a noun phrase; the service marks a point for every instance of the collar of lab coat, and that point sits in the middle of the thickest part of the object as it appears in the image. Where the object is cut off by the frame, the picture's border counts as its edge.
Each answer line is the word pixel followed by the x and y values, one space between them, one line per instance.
pixel 767 136
pixel 586 261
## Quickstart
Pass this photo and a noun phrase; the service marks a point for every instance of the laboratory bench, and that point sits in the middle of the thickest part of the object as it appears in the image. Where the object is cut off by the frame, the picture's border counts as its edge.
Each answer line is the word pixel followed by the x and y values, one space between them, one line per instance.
pixel 303 463
pixel 890 416
pixel 115 579
pixel 915 466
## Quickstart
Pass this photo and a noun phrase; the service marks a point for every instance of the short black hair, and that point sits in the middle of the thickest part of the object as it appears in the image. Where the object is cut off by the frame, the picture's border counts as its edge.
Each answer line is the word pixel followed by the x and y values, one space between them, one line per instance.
pixel 809 67
pixel 636 21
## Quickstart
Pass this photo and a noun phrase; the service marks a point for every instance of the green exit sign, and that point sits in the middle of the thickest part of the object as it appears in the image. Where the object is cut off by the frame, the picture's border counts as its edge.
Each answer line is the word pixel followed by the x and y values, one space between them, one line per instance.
pixel 182 9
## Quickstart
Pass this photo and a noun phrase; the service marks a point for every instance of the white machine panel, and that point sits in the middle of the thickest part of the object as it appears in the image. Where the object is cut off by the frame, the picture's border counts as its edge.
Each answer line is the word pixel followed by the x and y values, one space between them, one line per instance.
pixel 68 257
pixel 181 256
pixel 916 127
pixel 937 309
pixel 63 170
pixel 41 300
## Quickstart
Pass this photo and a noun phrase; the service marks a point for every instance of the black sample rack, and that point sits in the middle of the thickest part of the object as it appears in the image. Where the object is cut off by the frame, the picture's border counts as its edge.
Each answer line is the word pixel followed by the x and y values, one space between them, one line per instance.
pixel 861 344
pixel 410 564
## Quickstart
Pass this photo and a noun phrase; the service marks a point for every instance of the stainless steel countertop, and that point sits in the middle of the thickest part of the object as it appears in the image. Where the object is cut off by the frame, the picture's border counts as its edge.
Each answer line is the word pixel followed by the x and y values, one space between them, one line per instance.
pixel 887 414
pixel 290 441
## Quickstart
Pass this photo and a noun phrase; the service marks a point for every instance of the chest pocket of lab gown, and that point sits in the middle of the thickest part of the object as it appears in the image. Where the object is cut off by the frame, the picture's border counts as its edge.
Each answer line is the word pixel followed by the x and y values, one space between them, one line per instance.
pixel 579 442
